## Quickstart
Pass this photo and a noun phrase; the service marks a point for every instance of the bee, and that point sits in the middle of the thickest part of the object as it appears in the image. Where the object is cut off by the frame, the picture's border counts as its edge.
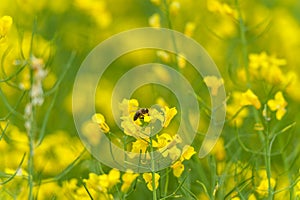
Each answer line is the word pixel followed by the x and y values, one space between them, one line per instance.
pixel 140 113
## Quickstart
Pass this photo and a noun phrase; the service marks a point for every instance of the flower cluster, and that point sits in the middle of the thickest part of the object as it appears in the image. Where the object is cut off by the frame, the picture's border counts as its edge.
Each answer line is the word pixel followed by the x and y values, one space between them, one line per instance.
pixel 99 186
pixel 237 112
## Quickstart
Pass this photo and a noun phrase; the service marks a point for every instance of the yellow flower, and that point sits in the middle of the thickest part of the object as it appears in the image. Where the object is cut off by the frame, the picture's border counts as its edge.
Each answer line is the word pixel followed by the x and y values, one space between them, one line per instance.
pixel 219 150
pixel 128 107
pixel 213 83
pixel 93 182
pixel 178 168
pixel 174 7
pixel 233 108
pixel 264 66
pixel 262 189
pixel 278 104
pixel 164 56
pixel 181 61
pixel 249 98
pixel 127 178
pixel 298 189
pixel 169 114
pixel 148 179
pixel 113 177
pixel 96 9
pixel 258 60
pixel 100 120
pixel 188 152
pixel 221 8
pixel 5 25
pixel 251 197
pixel 189 29
pixel 91 132
pixel 163 140
pixel 139 146
pixel 173 152
pixel 167 145
pixel 154 20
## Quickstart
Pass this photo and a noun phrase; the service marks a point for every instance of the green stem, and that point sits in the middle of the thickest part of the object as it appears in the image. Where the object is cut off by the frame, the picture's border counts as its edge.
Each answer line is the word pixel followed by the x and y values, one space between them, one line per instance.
pixel 154 197
pixel 30 156
pixel 243 30
pixel 167 181
pixel 268 163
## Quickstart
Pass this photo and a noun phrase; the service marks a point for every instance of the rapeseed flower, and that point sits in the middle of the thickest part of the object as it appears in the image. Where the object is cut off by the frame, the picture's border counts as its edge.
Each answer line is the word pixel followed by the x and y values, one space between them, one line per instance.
pixel 128 177
pixel 148 179
pixel 249 98
pixel 278 104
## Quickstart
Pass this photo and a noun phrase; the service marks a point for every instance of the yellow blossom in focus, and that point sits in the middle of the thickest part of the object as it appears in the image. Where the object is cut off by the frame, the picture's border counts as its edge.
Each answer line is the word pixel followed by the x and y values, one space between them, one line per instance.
pixel 163 140
pixel 278 104
pixel 169 114
pixel 174 7
pixel 5 25
pixel 147 118
pixel 181 61
pixel 100 120
pixel 128 106
pixel 103 182
pixel 189 29
pixel 213 83
pixel 178 168
pixel 139 146
pixel 154 20
pixel 148 179
pixel 249 98
pixel 93 182
pixel 188 152
pixel 113 177
pixel 173 152
pixel 128 177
